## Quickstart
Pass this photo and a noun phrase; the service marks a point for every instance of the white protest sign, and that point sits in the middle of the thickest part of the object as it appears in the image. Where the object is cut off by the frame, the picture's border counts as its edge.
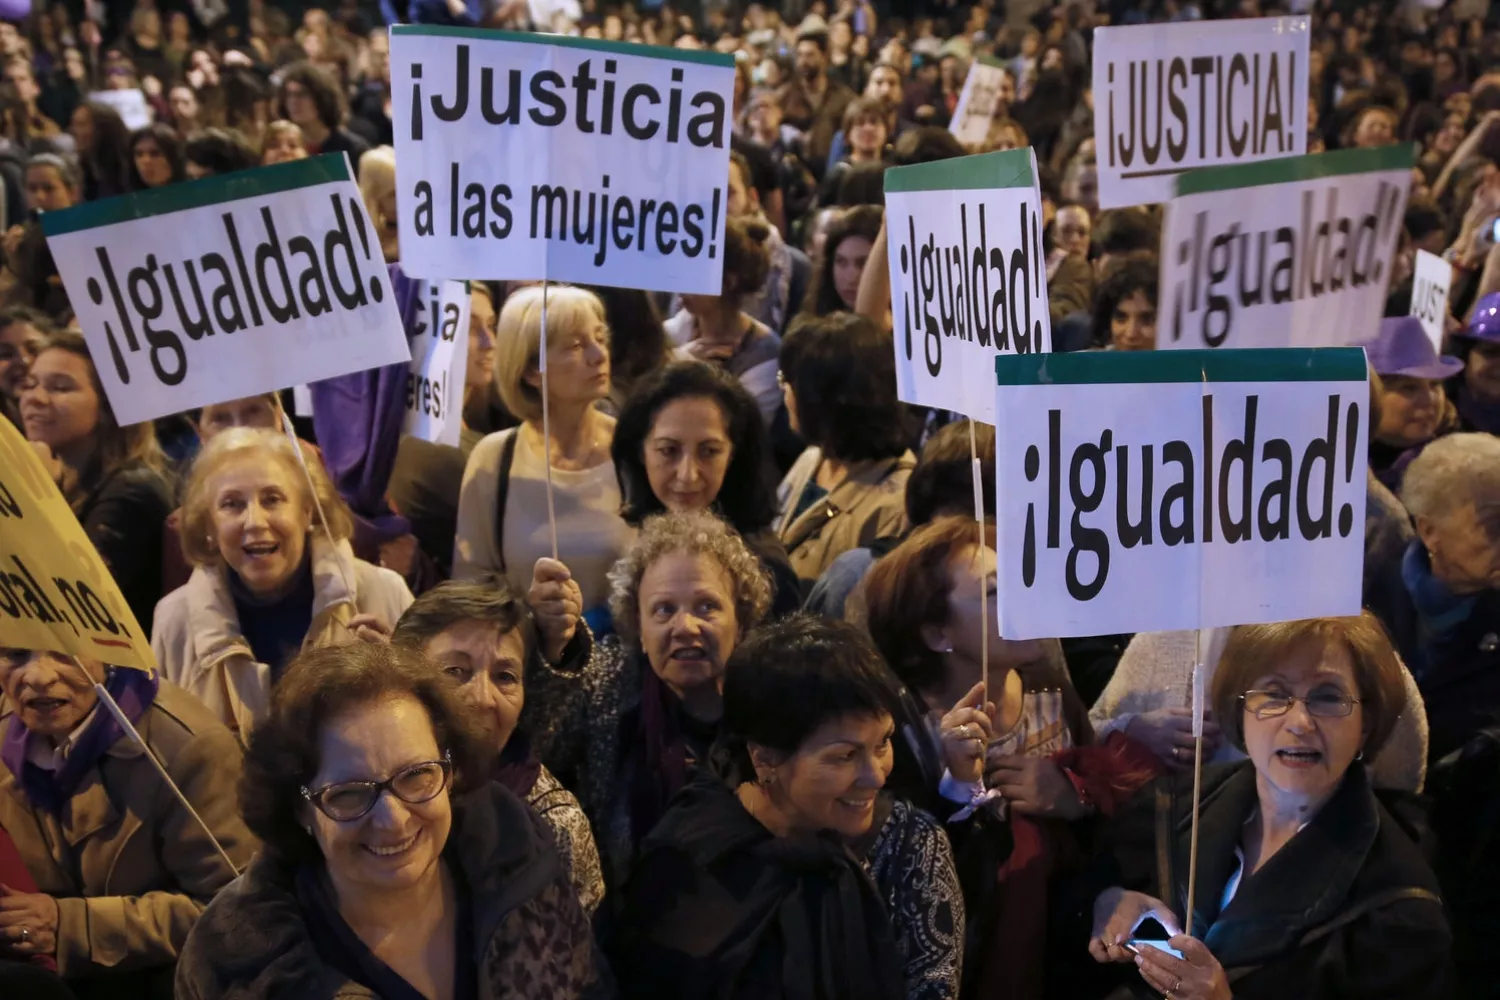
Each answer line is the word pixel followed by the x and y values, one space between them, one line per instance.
pixel 976 102
pixel 227 287
pixel 1289 253
pixel 130 105
pixel 543 156
pixel 1429 295
pixel 968 276
pixel 1147 491
pixel 1171 97
pixel 439 360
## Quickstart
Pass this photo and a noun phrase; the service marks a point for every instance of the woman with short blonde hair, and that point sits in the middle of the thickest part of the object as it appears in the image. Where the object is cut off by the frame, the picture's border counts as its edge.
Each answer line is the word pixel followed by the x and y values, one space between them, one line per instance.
pixel 274 575
pixel 503 504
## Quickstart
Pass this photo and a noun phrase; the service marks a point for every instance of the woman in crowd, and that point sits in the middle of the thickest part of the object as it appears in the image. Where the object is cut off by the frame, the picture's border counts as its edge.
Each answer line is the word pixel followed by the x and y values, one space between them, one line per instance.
pixel 782 869
pixel 214 151
pixel 845 251
pixel 1374 126
pixel 114 478
pixel 1307 885
pixel 1125 305
pixel 622 728
pixel 273 575
pixel 1413 408
pixel 713 329
pixel 22 333
pixel 314 101
pixel 638 342
pixel 483 638
pixel 503 504
pixel 101 141
pixel 848 487
pixel 1447 622
pixel 391 866
pixel 121 868
pixel 1477 395
pixel 689 439
pixel 867 132
pixel 377 188
pixel 283 142
pixel 156 157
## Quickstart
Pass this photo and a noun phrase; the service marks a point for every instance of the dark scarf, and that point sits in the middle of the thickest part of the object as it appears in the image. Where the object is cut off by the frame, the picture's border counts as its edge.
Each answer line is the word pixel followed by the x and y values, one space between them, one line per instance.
pixel 1479 414
pixel 275 629
pixel 1440 610
pixel 49 791
pixel 812 901
pixel 658 740
pixel 518 767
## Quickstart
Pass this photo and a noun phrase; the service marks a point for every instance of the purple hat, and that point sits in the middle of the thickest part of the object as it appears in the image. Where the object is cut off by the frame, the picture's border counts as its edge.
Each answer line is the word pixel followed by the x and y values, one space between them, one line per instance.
pixel 1484 322
pixel 1403 348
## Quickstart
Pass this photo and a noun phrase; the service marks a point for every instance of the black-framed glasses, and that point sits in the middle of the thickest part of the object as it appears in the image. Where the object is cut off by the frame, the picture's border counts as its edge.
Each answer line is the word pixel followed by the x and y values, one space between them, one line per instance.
pixel 414 784
pixel 1322 704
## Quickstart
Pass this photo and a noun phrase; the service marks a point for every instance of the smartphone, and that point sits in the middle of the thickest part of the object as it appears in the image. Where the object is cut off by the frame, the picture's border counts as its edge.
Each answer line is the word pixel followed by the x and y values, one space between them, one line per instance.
pixel 1134 946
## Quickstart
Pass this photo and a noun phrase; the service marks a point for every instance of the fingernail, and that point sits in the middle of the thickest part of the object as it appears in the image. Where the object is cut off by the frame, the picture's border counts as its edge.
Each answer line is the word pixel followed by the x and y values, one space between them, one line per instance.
pixel 1139 960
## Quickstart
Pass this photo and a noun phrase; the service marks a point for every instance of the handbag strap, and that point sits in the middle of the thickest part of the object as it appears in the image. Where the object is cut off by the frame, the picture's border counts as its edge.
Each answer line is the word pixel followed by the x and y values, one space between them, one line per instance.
pixel 502 491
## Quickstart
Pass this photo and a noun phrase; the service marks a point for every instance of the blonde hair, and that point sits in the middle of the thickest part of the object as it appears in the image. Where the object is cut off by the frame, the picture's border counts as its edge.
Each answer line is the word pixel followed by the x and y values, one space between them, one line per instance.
pixel 518 339
pixel 377 178
pixel 249 443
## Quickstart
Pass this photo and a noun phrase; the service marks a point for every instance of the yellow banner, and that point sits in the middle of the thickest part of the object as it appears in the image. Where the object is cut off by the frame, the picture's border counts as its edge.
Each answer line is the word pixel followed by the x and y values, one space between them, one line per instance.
pixel 55 592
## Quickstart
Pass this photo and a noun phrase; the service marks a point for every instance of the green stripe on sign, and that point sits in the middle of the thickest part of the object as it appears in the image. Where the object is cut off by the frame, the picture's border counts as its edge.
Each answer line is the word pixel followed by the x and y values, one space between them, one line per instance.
pixel 1008 169
pixel 701 56
pixel 1339 163
pixel 1263 364
pixel 180 197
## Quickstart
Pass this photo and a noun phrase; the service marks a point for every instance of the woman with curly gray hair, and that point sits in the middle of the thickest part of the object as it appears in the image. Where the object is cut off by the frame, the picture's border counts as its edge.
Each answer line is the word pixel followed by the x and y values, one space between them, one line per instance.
pixel 620 725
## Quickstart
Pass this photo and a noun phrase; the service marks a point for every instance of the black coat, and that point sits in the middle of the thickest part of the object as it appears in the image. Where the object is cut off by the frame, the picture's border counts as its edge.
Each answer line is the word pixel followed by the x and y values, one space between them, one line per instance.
pixel 1348 910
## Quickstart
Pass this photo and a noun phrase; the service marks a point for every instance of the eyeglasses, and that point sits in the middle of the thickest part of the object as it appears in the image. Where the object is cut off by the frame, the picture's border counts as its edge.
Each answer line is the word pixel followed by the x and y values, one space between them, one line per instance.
pixel 1323 704
pixel 347 801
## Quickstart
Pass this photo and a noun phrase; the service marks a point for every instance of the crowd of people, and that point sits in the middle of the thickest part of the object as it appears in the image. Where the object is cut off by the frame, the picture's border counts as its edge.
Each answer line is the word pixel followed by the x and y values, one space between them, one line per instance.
pixel 672 679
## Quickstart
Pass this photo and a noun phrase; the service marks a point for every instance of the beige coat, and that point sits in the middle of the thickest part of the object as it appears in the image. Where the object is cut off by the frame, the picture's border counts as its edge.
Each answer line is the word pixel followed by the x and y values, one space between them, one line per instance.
pixel 870 504
pixel 196 632
pixel 130 869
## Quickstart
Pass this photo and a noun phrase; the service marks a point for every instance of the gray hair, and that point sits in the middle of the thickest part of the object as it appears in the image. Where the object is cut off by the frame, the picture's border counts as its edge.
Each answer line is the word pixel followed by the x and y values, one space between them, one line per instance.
pixel 1451 472
pixel 491 599
pixel 695 533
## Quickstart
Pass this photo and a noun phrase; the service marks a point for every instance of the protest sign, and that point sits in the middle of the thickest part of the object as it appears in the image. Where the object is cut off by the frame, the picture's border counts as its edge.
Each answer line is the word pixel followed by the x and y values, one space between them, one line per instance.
pixel 1146 491
pixel 1288 253
pixel 55 592
pixel 1429 295
pixel 543 156
pixel 439 341
pixel 1171 97
pixel 968 275
pixel 231 286
pixel 976 102
pixel 130 105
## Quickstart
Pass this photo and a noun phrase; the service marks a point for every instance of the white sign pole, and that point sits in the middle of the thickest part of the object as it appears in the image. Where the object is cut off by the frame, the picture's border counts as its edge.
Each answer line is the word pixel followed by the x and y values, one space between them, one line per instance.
pixel 547 429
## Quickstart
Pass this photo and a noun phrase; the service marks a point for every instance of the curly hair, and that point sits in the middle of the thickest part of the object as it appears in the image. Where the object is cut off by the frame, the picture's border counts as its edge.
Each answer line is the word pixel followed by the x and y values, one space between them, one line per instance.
pixel 267 446
pixel 697 533
pixel 319 686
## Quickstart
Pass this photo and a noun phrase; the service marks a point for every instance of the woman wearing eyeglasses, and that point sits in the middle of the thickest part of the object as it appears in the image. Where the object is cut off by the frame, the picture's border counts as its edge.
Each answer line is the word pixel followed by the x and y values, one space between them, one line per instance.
pixel 392 866
pixel 1307 886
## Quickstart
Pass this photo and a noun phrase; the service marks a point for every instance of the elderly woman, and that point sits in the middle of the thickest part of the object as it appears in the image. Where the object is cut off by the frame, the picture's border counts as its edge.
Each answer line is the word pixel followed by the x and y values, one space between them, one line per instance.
pixel 1413 409
pixel 782 868
pixel 273 575
pixel 503 504
pixel 848 487
pixel 1448 626
pixel 121 868
pixel 113 477
pixel 622 729
pixel 483 638
pixel 391 866
pixel 689 439
pixel 1307 886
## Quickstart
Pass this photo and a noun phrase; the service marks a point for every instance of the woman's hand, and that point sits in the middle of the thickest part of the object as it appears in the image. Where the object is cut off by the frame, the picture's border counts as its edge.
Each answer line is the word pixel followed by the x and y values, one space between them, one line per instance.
pixel 28 922
pixel 1197 975
pixel 966 731
pixel 1034 786
pixel 557 602
pixel 369 628
pixel 1168 733
pixel 1117 913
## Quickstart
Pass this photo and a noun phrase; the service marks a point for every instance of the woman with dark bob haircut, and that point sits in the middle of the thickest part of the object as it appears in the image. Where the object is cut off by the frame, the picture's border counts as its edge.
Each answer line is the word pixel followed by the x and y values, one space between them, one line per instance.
pixel 312 98
pixel 690 438
pixel 849 487
pixel 1125 305
pixel 782 867
pixel 1307 885
pixel 367 785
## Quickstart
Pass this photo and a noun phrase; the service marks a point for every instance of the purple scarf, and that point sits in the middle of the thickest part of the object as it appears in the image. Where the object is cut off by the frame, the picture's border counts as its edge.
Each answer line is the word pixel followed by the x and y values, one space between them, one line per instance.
pixel 661 753
pixel 518 768
pixel 49 791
